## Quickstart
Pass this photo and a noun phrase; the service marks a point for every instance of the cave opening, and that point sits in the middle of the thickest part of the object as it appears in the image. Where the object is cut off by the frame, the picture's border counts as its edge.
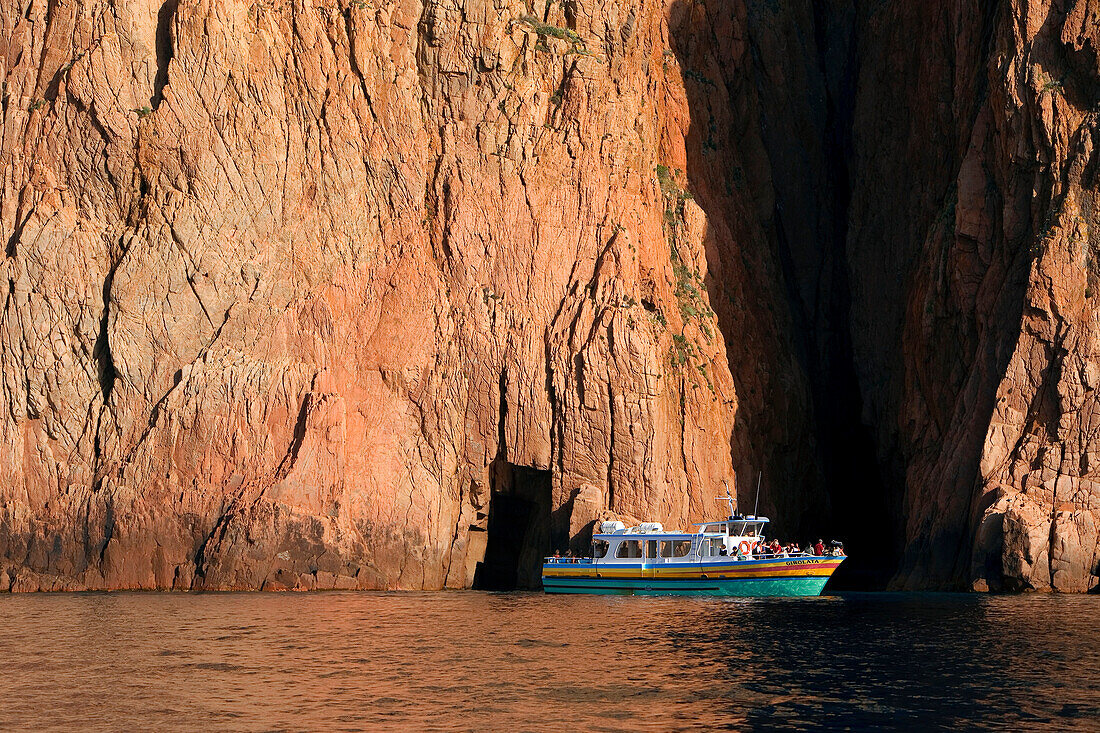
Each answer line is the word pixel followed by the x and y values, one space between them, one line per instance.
pixel 518 528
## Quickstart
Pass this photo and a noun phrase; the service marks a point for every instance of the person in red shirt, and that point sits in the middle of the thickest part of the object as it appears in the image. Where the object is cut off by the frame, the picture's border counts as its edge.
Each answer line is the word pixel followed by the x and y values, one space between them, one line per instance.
pixel 819 548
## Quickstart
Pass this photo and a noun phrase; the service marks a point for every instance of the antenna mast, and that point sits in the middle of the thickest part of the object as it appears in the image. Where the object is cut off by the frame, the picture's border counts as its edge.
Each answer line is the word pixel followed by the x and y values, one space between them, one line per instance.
pixel 759 475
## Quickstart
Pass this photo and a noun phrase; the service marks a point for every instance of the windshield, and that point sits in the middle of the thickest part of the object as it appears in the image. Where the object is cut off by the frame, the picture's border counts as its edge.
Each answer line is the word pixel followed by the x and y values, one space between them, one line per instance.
pixel 745 529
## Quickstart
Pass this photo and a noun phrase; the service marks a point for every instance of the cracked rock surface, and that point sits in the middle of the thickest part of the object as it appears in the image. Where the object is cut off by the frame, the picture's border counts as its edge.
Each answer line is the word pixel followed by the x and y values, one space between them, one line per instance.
pixel 284 279
pixel 295 290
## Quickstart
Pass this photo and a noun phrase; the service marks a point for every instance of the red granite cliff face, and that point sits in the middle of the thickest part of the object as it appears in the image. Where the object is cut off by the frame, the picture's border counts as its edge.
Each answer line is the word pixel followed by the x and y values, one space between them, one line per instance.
pixel 374 294
pixel 295 289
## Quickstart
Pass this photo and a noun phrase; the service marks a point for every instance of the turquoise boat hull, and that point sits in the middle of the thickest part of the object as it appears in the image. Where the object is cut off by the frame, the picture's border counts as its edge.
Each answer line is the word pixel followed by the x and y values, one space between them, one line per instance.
pixel 741 587
pixel 797 575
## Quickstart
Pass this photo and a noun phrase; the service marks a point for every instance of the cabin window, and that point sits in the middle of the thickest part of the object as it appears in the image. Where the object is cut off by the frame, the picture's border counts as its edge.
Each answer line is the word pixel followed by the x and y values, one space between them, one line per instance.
pixel 629 548
pixel 675 548
pixel 599 548
pixel 712 547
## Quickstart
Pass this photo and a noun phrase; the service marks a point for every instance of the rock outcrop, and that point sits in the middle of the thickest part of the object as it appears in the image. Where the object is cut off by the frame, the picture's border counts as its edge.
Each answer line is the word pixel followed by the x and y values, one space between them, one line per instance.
pixel 372 294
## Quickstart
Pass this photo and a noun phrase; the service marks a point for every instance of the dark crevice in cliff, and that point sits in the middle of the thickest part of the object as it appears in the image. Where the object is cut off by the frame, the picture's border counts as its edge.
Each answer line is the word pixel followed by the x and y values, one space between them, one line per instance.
pixel 108 531
pixel 291 457
pixel 17 234
pixel 106 374
pixel 610 442
pixel 811 178
pixel 209 543
pixel 806 128
pixel 101 352
pixel 864 507
pixel 165 51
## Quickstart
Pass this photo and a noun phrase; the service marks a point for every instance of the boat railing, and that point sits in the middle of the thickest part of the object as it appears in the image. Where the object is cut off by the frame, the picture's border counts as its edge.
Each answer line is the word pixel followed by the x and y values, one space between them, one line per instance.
pixel 551 560
pixel 773 556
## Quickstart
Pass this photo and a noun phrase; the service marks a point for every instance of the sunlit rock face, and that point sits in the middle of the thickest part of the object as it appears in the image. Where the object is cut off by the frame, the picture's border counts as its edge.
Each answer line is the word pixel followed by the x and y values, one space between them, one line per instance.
pixel 286 280
pixel 403 295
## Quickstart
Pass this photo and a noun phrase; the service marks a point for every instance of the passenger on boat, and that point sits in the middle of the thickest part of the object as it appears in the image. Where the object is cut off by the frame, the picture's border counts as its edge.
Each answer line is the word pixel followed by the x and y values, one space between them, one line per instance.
pixel 819 548
pixel 557 554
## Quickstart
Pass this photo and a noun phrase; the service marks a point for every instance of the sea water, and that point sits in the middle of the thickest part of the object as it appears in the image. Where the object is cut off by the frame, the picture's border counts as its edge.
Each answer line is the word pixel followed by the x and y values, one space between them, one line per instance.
pixel 458 661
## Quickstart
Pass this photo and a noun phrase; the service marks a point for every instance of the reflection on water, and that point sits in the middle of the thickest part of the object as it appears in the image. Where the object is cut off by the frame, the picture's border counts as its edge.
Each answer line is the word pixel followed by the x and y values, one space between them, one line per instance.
pixel 480 661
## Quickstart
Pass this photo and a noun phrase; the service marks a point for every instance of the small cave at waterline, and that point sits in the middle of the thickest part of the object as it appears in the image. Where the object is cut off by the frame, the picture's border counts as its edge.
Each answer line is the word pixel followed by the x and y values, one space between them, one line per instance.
pixel 519 528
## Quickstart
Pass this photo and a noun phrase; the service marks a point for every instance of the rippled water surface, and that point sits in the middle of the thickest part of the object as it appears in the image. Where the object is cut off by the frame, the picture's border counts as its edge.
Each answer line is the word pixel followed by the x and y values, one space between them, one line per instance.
pixel 480 661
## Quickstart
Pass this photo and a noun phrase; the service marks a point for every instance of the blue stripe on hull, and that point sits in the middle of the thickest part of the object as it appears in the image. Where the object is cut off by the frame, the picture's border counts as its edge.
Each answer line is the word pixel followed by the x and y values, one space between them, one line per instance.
pixel 729 562
pixel 747 587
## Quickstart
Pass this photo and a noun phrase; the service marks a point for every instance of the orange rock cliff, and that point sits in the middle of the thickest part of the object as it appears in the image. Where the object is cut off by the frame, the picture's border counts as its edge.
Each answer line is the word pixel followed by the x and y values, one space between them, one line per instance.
pixel 373 294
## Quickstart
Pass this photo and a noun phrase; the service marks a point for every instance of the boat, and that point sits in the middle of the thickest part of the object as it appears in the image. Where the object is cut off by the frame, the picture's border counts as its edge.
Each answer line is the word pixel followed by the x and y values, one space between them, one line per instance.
pixel 723 558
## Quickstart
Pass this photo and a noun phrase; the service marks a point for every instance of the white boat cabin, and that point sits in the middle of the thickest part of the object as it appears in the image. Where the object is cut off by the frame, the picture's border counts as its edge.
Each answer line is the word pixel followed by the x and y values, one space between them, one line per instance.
pixel 648 543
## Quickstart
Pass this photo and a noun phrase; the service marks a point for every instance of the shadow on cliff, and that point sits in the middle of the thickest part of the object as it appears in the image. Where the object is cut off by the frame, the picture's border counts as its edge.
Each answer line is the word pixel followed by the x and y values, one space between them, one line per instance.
pixel 782 158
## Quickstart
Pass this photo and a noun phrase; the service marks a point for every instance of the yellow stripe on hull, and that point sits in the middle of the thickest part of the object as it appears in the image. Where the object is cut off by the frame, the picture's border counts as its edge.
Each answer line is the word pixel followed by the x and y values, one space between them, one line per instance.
pixel 820 569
